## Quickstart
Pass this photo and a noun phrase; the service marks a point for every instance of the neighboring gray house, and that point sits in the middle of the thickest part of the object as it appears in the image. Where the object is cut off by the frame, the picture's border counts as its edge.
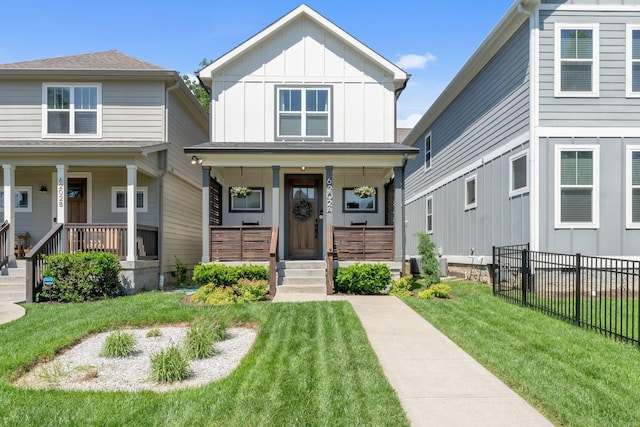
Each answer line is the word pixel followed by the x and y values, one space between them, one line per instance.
pixel 537 139
pixel 91 147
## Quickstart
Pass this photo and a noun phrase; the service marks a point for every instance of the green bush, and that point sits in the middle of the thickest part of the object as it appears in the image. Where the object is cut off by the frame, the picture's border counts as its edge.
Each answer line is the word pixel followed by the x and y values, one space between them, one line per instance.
pixel 169 365
pixel 181 276
pixel 245 291
pixel 428 259
pixel 82 276
pixel 426 294
pixel 251 291
pixel 118 344
pixel 441 290
pixel 401 287
pixel 363 279
pixel 227 275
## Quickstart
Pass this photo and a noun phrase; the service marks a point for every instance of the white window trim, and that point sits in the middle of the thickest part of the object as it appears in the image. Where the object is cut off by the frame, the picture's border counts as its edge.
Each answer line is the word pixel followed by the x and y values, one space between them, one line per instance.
pixel 303 113
pixel 145 199
pixel 430 138
pixel 595 75
pixel 429 199
pixel 29 191
pixel 595 213
pixel 469 206
pixel 629 53
pixel 629 188
pixel 45 116
pixel 525 189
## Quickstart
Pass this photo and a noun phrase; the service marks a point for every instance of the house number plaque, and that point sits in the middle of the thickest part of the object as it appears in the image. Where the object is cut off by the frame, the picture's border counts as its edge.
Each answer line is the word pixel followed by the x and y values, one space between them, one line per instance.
pixel 60 193
pixel 329 195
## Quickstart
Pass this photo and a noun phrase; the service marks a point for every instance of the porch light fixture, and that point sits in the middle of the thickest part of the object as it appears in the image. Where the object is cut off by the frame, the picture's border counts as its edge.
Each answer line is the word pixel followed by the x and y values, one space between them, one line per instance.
pixel 304 168
pixel 43 189
pixel 196 159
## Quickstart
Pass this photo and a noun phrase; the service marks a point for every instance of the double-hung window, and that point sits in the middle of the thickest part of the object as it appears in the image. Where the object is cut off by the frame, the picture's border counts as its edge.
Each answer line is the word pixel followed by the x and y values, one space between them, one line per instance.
pixel 471 192
pixel 304 113
pixel 577 175
pixel 71 110
pixel 633 187
pixel 577 54
pixel 430 214
pixel 427 152
pixel 21 198
pixel 633 61
pixel 518 174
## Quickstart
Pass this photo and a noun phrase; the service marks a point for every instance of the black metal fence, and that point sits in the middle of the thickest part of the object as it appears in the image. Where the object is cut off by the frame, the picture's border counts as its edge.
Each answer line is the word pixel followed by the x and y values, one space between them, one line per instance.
pixel 592 292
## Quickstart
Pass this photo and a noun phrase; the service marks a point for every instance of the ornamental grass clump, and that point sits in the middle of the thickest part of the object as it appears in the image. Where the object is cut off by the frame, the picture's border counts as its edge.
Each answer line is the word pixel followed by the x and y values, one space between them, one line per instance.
pixel 169 366
pixel 118 344
pixel 201 337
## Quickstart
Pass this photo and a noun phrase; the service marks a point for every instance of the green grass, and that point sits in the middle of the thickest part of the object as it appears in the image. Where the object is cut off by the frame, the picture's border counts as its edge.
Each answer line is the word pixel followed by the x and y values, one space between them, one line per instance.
pixel 311 364
pixel 575 377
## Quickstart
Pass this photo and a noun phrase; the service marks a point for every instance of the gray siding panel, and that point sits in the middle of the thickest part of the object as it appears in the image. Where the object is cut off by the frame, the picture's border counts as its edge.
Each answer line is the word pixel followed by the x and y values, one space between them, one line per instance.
pixel 133 110
pixel 20 110
pixel 611 108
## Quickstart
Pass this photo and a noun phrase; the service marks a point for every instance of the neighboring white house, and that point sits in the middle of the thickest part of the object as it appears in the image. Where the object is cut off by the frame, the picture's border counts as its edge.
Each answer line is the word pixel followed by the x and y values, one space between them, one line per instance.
pixel 303 113
pixel 91 150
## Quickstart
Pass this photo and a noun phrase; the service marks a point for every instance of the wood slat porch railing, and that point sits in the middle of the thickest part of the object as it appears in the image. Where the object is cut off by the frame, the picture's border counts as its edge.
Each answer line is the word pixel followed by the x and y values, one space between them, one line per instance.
pixel 246 243
pixel 48 245
pixel 4 243
pixel 364 243
pixel 111 238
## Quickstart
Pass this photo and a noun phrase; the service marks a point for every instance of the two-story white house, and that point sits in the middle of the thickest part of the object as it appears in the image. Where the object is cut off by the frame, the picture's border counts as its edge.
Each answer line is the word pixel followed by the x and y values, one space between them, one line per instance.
pixel 91 150
pixel 302 114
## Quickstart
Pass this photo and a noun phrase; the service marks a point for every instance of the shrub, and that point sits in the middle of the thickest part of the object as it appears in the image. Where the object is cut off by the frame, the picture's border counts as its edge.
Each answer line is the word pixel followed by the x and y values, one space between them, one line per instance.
pixel 441 290
pixel 118 344
pixel 226 275
pixel 401 287
pixel 221 296
pixel 169 365
pixel 82 276
pixel 428 259
pixel 251 291
pixel 426 294
pixel 363 279
pixel 180 275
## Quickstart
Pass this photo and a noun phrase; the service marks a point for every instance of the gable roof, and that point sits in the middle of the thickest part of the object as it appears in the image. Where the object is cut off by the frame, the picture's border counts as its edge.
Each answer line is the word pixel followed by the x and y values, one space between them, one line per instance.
pixel 400 77
pixel 109 60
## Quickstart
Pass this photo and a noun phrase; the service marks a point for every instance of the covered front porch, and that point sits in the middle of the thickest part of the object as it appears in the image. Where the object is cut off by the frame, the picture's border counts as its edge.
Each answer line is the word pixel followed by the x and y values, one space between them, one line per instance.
pixel 302 204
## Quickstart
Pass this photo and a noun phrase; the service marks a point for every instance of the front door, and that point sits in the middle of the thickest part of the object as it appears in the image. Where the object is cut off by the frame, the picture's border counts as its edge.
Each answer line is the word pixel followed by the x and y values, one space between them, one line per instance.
pixel 77 200
pixel 303 218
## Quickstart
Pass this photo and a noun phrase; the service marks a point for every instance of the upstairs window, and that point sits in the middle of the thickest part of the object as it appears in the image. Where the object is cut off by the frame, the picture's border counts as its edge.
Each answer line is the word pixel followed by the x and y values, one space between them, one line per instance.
pixel 430 215
pixel 304 113
pixel 633 187
pixel 576 60
pixel 427 152
pixel 577 197
pixel 71 110
pixel 633 61
pixel 470 192
pixel 518 176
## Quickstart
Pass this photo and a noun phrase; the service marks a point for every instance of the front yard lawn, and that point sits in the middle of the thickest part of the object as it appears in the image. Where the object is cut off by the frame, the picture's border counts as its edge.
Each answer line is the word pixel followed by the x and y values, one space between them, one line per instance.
pixel 575 377
pixel 311 364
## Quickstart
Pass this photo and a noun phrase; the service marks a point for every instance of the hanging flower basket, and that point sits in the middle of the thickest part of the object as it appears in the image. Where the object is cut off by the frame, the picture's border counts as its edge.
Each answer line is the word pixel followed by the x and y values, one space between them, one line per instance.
pixel 303 210
pixel 240 192
pixel 364 192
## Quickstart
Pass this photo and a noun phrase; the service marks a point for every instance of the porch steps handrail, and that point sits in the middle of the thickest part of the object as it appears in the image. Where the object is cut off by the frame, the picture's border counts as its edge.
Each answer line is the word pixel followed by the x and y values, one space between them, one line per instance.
pixel 330 257
pixel 50 244
pixel 4 243
pixel 273 260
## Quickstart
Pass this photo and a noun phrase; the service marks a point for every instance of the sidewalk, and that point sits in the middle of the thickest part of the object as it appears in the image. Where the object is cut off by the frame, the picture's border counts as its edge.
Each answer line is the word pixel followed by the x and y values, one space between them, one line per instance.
pixel 437 382
pixel 10 312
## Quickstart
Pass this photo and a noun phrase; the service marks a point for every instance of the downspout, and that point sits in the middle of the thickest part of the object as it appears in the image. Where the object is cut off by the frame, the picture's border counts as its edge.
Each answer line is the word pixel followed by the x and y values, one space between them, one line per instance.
pixel 165 169
pixel 534 145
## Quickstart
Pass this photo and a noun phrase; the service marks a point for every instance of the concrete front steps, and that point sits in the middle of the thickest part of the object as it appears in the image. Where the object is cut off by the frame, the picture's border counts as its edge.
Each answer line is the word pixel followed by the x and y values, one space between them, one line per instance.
pixel 307 278
pixel 13 283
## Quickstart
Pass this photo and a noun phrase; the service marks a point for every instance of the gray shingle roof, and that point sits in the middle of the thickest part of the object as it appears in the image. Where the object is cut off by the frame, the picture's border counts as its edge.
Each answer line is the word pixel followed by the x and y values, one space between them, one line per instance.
pixel 84 146
pixel 302 148
pixel 109 60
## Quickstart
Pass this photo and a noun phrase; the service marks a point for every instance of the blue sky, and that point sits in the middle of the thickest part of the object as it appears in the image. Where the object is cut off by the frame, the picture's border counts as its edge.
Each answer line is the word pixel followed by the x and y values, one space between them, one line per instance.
pixel 430 39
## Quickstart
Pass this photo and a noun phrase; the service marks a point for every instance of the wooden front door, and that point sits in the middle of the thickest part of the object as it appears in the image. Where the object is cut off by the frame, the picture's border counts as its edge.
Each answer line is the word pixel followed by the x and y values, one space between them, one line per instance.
pixel 77 200
pixel 303 218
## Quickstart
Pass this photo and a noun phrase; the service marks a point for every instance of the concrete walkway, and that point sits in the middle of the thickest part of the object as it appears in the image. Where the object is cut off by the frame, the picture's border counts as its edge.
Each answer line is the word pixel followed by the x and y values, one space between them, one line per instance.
pixel 10 312
pixel 437 382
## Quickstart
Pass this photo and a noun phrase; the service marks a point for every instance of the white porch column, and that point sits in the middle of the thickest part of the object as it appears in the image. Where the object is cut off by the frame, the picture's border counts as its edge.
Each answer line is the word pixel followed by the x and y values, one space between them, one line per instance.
pixel 275 196
pixel 10 211
pixel 328 206
pixel 206 235
pixel 132 223
pixel 61 201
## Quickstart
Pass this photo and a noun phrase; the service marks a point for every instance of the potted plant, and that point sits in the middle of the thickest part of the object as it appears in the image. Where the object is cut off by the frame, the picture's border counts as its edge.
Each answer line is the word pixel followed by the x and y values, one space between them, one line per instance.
pixel 240 192
pixel 364 192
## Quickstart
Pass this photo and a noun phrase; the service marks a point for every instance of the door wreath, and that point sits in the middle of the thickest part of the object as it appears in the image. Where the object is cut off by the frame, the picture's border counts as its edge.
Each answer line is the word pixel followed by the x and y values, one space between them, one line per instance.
pixel 303 210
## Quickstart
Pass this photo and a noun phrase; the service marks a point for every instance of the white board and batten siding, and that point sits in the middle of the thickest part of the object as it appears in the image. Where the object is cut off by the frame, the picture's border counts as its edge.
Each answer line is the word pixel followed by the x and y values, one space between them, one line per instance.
pixel 303 54
pixel 476 134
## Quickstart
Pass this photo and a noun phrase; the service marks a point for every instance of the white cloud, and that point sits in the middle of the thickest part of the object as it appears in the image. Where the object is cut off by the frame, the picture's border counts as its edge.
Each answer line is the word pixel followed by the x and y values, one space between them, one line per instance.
pixel 414 61
pixel 410 121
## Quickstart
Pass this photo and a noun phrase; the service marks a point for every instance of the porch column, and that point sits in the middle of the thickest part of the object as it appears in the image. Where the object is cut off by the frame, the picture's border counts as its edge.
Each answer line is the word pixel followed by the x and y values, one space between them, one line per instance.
pixel 398 183
pixel 206 234
pixel 275 196
pixel 328 206
pixel 10 211
pixel 61 202
pixel 132 223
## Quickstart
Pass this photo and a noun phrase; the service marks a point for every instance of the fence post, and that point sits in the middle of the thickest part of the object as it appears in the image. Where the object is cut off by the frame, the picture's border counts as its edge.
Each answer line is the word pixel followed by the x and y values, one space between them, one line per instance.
pixel 578 286
pixel 495 264
pixel 525 276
